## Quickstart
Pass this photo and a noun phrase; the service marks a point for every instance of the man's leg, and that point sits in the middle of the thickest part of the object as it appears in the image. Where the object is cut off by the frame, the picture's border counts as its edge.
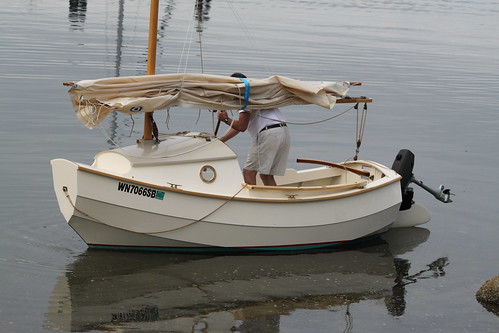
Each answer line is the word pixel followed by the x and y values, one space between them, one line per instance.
pixel 268 180
pixel 249 176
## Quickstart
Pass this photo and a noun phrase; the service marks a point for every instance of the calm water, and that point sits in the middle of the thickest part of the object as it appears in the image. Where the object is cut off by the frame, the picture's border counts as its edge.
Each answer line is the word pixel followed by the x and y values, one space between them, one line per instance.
pixel 432 68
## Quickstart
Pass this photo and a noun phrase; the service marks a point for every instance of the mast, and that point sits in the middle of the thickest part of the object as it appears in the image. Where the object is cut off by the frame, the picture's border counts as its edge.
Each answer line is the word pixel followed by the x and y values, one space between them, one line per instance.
pixel 151 60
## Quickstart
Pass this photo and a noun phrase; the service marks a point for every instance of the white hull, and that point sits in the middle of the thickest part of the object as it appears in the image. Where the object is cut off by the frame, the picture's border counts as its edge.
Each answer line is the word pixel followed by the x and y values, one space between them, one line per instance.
pixel 140 199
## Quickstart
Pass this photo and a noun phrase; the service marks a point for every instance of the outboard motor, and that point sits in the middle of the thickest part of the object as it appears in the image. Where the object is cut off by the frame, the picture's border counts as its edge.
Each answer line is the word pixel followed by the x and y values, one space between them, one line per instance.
pixel 403 165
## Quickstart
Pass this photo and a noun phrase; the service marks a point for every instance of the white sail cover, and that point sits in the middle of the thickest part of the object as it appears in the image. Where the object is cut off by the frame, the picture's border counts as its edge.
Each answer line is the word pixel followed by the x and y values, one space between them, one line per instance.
pixel 93 100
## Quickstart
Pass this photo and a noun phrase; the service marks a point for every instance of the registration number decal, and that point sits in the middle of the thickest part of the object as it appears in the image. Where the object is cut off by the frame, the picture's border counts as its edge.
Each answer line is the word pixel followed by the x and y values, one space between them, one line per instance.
pixel 140 190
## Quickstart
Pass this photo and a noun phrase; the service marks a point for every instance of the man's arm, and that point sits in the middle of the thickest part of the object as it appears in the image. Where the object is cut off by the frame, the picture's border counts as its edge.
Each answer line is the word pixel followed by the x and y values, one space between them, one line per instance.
pixel 239 125
pixel 229 135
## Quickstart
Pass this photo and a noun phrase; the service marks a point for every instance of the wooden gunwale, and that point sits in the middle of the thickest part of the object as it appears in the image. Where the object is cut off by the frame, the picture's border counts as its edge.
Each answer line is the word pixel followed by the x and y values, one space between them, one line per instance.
pixel 334 165
pixel 308 188
pixel 354 100
pixel 235 198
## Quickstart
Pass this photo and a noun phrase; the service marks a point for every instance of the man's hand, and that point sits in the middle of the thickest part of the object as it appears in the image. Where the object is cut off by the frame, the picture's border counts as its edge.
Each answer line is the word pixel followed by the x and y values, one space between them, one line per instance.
pixel 222 116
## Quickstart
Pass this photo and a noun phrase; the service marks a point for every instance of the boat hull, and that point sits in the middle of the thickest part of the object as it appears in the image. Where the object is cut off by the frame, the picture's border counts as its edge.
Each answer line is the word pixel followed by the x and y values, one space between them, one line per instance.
pixel 148 216
pixel 212 235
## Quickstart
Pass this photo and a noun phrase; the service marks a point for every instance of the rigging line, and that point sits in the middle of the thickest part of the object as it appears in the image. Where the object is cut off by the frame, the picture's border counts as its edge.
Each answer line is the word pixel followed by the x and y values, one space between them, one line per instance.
pixel 202 218
pixel 185 56
pixel 244 28
pixel 106 134
pixel 360 126
pixel 201 52
pixel 357 123
pixel 167 118
pixel 312 122
pixel 202 65
pixel 187 41
pixel 228 128
pixel 199 117
pixel 133 126
pixel 362 123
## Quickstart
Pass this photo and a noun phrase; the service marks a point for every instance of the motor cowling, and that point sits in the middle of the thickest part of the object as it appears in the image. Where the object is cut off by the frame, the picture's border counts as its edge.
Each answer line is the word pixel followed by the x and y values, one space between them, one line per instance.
pixel 403 165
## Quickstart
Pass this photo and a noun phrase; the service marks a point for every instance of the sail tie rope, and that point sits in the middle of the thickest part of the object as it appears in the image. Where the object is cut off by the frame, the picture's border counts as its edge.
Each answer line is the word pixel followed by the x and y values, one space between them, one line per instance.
pixel 246 92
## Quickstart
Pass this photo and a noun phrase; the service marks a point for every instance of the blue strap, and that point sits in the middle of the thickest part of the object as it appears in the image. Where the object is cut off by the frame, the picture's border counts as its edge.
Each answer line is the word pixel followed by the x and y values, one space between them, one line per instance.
pixel 246 92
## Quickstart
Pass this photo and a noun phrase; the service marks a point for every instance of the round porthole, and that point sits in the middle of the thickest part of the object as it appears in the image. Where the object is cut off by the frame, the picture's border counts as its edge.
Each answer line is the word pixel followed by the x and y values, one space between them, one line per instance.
pixel 208 174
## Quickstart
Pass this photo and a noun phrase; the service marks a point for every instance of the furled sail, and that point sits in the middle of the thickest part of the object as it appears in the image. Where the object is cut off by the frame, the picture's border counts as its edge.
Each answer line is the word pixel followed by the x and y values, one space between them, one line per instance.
pixel 93 100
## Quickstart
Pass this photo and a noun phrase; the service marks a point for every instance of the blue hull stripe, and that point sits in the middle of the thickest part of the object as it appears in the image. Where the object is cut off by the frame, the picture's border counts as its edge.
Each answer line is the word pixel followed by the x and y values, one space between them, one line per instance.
pixel 267 249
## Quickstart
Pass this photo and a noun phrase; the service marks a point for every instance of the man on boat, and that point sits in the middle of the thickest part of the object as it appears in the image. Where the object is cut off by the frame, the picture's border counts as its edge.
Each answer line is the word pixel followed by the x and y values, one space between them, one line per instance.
pixel 269 150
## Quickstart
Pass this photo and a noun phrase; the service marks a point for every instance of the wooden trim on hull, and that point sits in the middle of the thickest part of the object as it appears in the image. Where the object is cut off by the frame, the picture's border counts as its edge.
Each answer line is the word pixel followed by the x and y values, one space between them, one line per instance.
pixel 308 188
pixel 334 165
pixel 291 199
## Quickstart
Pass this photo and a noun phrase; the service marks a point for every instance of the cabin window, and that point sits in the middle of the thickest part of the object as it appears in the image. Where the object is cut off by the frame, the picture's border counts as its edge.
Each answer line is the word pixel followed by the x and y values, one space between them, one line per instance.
pixel 208 174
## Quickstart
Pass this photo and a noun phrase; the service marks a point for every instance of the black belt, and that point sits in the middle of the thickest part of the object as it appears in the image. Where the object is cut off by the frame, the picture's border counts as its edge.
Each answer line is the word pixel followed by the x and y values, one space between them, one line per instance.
pixel 273 126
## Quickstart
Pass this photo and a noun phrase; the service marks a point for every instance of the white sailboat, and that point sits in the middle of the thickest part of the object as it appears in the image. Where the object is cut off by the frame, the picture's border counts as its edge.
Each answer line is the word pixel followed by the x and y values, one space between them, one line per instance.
pixel 185 192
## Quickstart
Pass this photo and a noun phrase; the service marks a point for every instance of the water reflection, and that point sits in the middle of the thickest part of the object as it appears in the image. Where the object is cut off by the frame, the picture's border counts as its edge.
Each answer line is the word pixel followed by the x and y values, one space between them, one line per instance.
pixel 113 119
pixel 202 10
pixel 77 14
pixel 396 303
pixel 163 24
pixel 104 290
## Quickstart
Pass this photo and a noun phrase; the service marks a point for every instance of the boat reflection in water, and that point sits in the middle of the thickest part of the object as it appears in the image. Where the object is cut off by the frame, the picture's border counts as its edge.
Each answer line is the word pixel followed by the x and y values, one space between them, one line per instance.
pixel 106 290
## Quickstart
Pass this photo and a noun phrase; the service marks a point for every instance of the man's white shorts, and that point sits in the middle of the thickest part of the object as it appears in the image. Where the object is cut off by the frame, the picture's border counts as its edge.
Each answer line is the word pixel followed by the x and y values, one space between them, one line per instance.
pixel 269 152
